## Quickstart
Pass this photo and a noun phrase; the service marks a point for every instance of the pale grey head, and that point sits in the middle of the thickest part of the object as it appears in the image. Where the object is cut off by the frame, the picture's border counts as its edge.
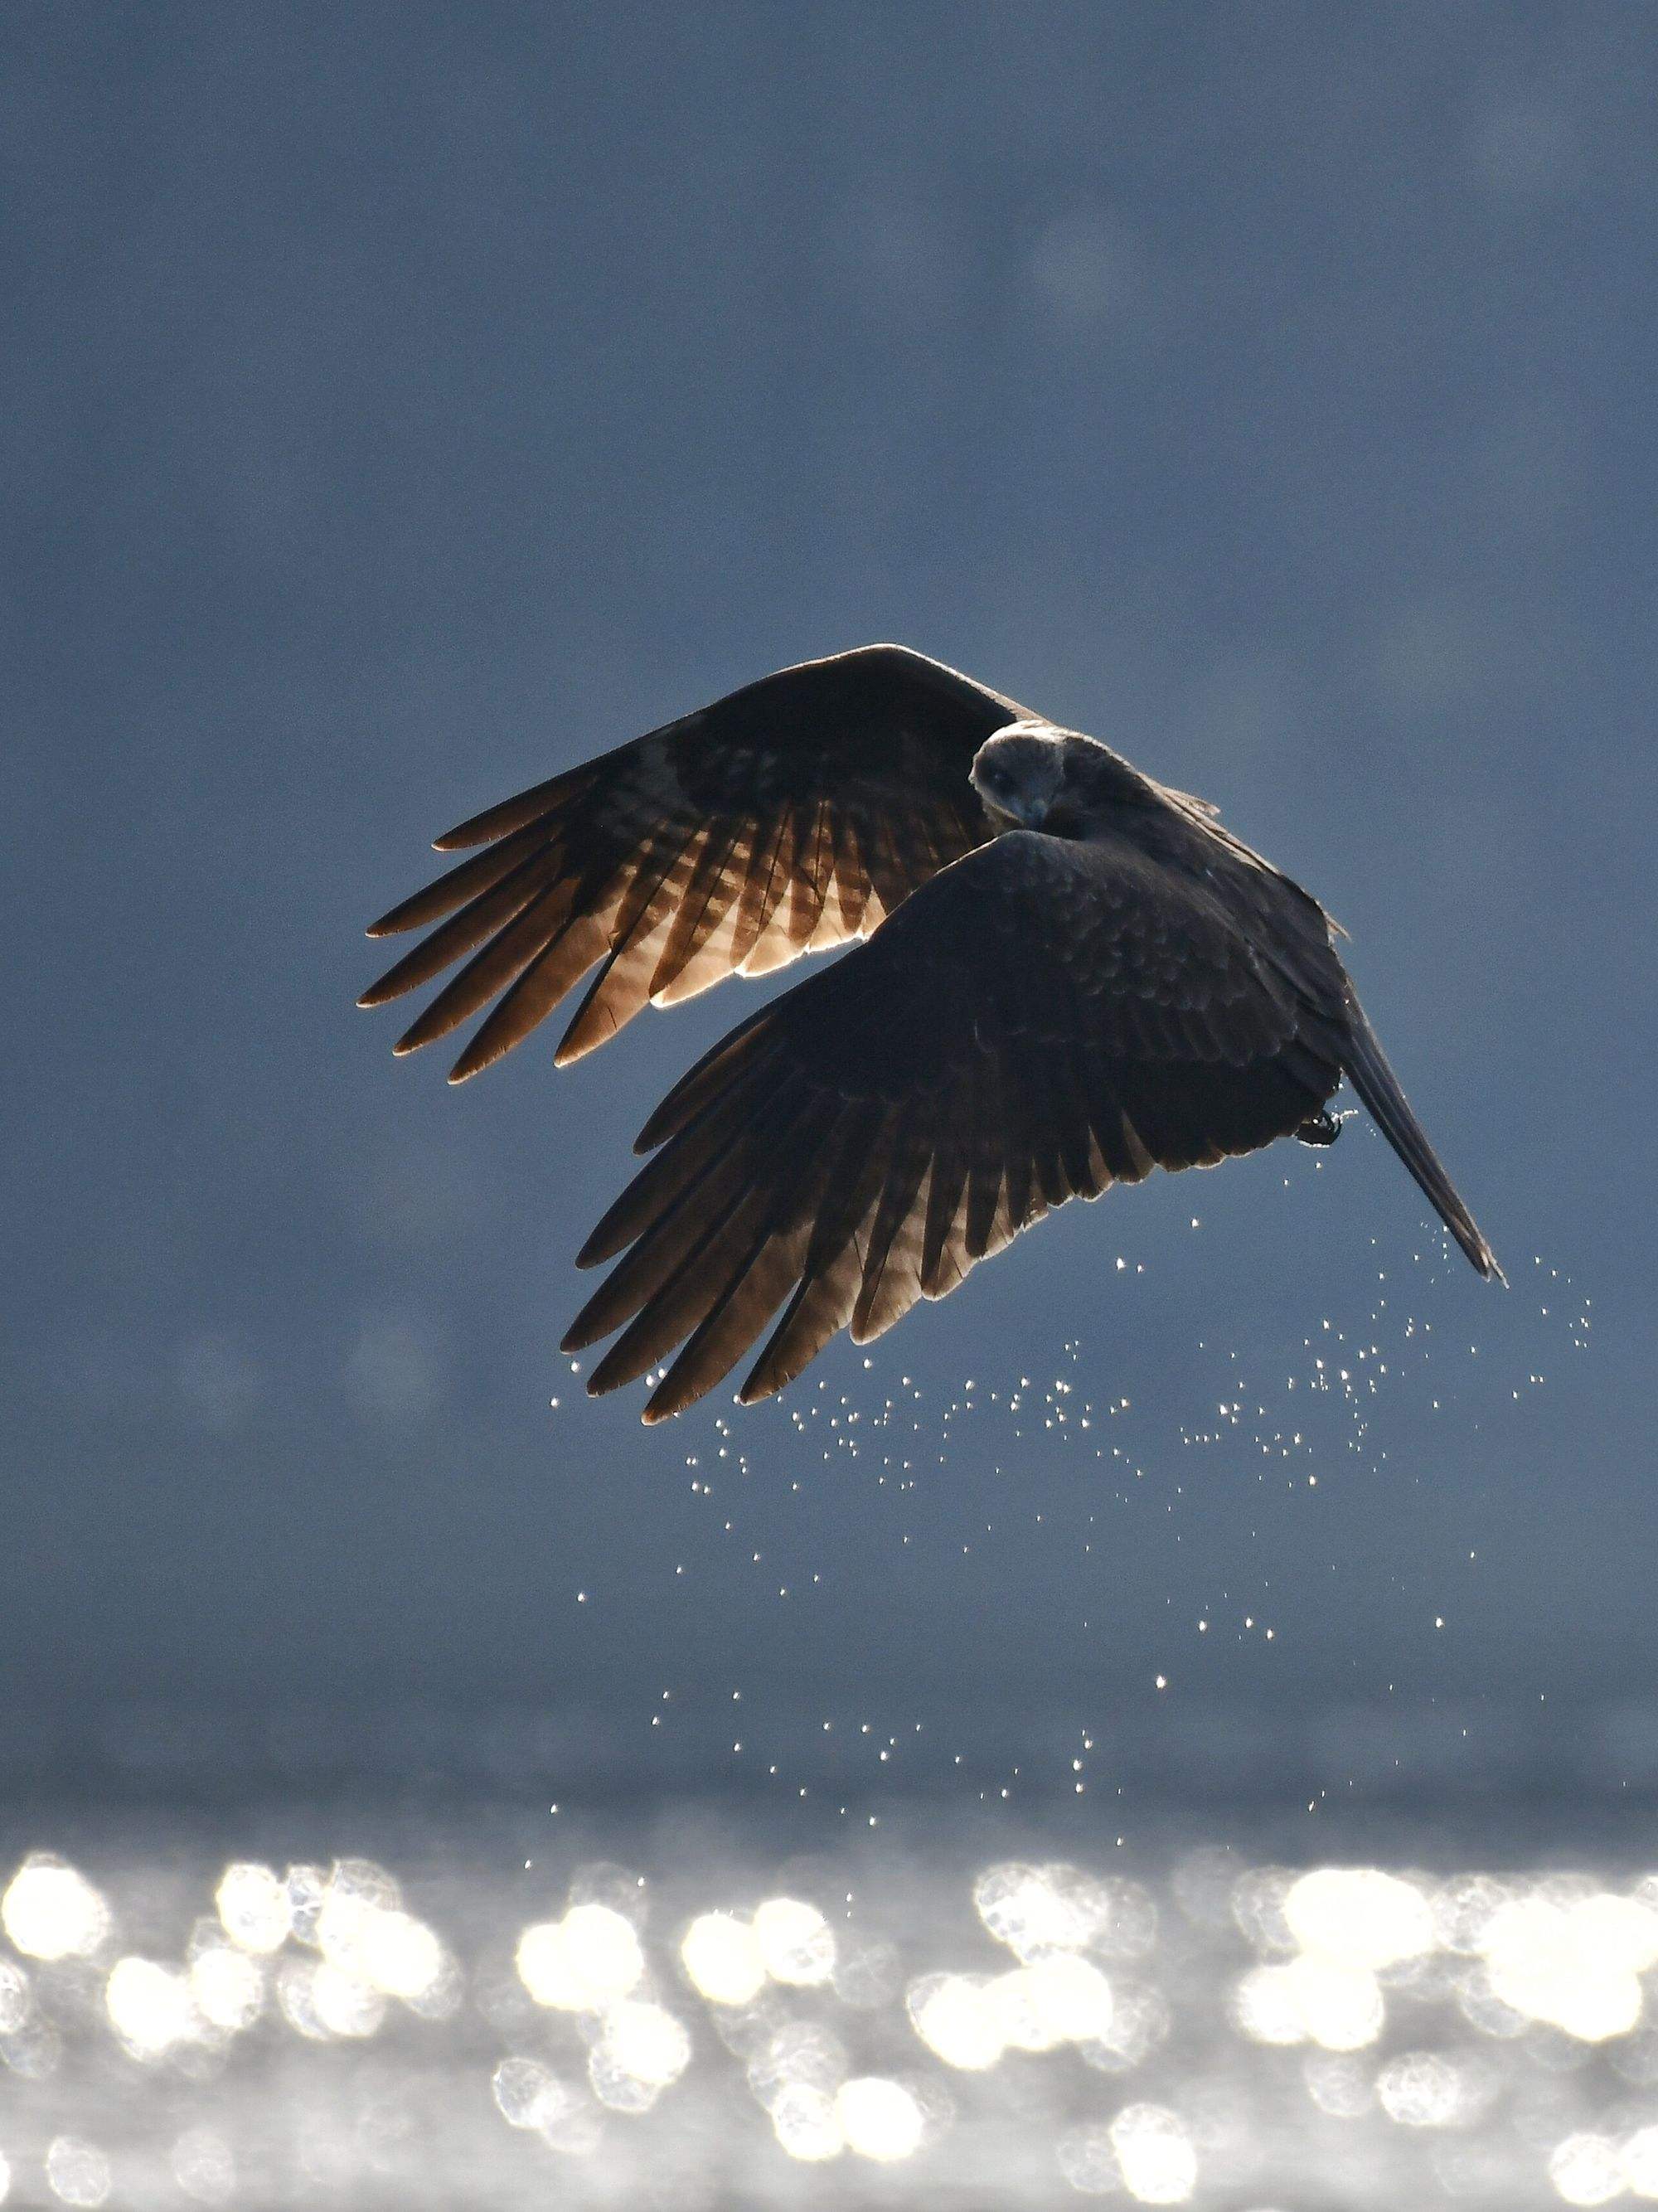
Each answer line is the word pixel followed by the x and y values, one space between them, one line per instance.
pixel 1035 775
pixel 1020 772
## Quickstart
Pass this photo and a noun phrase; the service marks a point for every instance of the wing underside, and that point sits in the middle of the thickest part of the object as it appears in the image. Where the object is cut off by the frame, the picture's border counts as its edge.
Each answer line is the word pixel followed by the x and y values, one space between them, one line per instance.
pixel 790 817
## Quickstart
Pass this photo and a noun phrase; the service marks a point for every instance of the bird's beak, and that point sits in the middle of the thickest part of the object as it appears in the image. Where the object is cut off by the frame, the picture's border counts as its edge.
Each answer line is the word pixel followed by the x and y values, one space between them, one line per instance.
pixel 1031 814
pixel 1026 815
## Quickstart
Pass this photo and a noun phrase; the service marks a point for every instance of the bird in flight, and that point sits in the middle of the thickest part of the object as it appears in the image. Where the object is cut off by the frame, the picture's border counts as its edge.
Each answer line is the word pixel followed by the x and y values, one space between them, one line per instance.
pixel 1068 975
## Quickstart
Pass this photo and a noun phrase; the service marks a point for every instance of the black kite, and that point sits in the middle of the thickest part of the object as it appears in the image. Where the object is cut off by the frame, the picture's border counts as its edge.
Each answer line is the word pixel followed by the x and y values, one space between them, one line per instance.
pixel 1071 975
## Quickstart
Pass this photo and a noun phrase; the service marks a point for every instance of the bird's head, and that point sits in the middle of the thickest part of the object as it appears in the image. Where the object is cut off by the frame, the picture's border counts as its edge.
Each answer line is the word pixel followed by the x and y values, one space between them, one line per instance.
pixel 1032 775
pixel 1019 773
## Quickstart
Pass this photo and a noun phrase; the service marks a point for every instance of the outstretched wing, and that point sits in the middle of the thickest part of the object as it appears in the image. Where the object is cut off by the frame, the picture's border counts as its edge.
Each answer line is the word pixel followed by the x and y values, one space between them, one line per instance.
pixel 1043 1019
pixel 788 816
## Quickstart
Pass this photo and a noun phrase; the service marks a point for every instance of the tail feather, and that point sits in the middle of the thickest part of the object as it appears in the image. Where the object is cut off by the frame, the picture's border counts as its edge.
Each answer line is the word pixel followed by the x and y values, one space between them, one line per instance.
pixel 1377 1085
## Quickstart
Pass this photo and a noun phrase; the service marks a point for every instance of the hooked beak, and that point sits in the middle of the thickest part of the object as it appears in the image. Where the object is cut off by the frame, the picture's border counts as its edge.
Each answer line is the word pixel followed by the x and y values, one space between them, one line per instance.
pixel 1022 811
pixel 1031 813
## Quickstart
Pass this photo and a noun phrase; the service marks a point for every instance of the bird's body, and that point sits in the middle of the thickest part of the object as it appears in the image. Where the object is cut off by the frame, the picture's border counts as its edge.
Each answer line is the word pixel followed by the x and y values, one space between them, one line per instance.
pixel 1072 975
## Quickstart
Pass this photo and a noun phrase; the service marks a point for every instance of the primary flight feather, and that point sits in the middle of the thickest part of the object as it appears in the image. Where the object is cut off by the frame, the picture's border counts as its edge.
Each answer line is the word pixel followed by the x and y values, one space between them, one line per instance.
pixel 1070 974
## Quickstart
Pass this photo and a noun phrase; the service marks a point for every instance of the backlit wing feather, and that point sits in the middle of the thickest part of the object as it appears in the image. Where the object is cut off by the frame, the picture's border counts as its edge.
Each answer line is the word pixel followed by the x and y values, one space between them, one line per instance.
pixel 789 816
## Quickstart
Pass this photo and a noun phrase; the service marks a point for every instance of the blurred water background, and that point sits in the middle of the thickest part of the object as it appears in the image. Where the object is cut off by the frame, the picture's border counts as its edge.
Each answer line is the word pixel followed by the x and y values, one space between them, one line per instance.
pixel 370 1965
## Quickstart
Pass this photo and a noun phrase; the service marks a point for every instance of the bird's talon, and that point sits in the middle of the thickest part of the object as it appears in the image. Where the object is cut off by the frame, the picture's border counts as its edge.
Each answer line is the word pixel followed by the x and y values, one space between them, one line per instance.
pixel 1319 1129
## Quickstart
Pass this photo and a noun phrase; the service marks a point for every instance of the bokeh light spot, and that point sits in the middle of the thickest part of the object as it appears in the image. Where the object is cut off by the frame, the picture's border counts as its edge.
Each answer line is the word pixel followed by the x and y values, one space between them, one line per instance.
pixel 254 1906
pixel 51 1911
pixel 796 1942
pixel 1575 1964
pixel 880 2120
pixel 958 2018
pixel 1421 2089
pixel 805 2123
pixel 1639 2160
pixel 586 1962
pixel 1359 1914
pixel 642 2050
pixel 1034 1910
pixel 149 2007
pixel 227 1987
pixel 204 2166
pixel 1310 2000
pixel 724 1958
pixel 1586 2169
pixel 77 2172
pixel 1155 2154
pixel 1089 2162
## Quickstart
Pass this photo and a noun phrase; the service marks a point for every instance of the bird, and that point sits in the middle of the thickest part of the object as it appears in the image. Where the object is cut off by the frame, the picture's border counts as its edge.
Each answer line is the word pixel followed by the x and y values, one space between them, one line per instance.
pixel 1062 974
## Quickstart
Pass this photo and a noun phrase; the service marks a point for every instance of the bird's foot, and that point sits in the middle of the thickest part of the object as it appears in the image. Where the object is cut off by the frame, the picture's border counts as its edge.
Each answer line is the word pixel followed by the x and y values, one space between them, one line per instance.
pixel 1320 1129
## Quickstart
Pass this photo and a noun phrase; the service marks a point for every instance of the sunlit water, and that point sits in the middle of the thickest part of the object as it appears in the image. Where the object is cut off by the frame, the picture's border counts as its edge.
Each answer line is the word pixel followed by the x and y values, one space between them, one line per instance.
pixel 703 2001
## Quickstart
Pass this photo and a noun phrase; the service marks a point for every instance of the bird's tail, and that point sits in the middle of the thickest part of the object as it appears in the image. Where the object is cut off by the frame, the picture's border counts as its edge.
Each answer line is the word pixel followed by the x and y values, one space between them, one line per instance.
pixel 1378 1086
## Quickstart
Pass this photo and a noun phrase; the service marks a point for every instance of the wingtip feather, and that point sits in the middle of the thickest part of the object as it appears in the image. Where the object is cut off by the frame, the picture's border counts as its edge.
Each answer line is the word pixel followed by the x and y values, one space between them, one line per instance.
pixel 478 1055
pixel 381 991
pixel 391 922
pixel 385 989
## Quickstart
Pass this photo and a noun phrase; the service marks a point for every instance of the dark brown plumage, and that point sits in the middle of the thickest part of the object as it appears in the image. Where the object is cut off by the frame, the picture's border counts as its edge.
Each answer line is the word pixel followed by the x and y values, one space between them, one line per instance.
pixel 1072 975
